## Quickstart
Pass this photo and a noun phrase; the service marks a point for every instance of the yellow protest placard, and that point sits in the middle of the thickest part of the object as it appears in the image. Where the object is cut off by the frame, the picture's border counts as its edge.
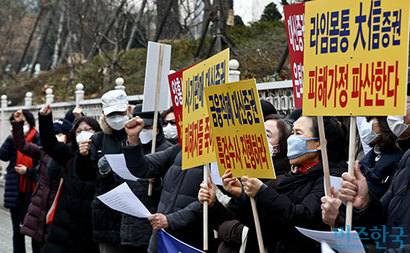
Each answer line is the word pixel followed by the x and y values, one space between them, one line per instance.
pixel 355 57
pixel 197 146
pixel 238 130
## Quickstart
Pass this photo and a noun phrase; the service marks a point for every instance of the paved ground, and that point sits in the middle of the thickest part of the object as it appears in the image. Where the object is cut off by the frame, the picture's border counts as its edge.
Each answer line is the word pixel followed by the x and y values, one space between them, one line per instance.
pixel 6 233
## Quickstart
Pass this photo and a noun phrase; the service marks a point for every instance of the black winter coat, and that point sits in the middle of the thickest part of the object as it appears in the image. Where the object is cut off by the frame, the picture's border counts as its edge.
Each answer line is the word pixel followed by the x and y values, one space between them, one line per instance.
pixel 179 194
pixel 380 174
pixel 71 230
pixel 294 202
pixel 136 231
pixel 106 221
pixel 391 210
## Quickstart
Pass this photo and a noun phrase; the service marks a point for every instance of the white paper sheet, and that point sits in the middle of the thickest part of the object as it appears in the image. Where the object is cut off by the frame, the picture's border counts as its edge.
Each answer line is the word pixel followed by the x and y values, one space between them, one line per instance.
pixel 342 241
pixel 119 166
pixel 215 178
pixel 326 248
pixel 122 199
pixel 334 181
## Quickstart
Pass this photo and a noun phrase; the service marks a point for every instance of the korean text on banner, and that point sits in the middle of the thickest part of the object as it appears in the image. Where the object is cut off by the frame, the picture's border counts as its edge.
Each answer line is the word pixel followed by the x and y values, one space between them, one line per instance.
pixel 355 57
pixel 295 27
pixel 175 88
pixel 197 146
pixel 238 130
pixel 151 77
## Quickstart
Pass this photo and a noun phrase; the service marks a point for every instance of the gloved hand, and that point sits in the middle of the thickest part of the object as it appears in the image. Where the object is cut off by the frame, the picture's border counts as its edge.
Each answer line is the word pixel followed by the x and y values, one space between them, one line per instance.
pixel 103 166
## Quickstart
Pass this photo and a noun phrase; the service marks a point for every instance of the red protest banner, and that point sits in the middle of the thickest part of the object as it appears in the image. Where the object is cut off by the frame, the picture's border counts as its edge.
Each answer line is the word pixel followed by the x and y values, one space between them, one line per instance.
pixel 295 27
pixel 175 88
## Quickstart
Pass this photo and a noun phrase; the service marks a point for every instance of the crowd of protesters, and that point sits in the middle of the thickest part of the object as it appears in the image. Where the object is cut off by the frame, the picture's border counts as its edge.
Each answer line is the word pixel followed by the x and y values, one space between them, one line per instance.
pixel 55 175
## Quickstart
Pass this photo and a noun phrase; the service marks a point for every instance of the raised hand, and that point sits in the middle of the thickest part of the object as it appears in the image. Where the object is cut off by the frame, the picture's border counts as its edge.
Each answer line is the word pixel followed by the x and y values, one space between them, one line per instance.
pixel 18 116
pixel 84 147
pixel 45 110
pixel 133 127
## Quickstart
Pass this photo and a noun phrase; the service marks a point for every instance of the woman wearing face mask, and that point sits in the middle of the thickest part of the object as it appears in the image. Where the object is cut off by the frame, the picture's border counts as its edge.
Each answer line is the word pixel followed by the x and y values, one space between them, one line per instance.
pixel 295 201
pixel 92 165
pixel 71 229
pixel 277 132
pixel 169 125
pixel 380 163
pixel 34 224
pixel 20 179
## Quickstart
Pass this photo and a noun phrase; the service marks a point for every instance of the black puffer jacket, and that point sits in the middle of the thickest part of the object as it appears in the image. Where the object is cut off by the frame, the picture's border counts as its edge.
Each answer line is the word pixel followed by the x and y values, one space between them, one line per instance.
pixel 136 231
pixel 294 202
pixel 179 193
pixel 71 230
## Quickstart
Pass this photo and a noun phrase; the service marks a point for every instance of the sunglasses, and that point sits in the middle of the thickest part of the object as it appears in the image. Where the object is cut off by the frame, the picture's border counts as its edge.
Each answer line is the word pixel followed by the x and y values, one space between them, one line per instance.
pixel 172 122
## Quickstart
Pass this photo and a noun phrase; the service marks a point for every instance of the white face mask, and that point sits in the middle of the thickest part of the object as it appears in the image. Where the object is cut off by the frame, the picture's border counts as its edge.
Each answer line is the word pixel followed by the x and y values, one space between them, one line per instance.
pixel 117 121
pixel 170 132
pixel 396 125
pixel 146 136
pixel 83 136
pixel 26 129
pixel 366 131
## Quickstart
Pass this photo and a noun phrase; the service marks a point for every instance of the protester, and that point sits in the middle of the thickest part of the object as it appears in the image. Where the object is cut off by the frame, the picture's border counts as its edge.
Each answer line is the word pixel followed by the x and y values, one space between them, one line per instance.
pixel 380 163
pixel 295 201
pixel 93 167
pixel 71 229
pixel 20 180
pixel 136 232
pixel 74 113
pixel 391 211
pixel 170 126
pixel 34 224
pixel 179 211
pixel 267 108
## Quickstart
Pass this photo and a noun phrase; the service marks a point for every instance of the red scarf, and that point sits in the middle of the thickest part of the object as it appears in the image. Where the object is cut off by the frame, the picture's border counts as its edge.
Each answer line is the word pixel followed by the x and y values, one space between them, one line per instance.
pixel 306 168
pixel 25 184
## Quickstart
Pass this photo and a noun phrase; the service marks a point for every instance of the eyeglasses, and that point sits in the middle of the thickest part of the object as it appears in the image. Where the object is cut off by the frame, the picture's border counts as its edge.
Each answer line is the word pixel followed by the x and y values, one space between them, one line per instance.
pixel 172 122
pixel 79 130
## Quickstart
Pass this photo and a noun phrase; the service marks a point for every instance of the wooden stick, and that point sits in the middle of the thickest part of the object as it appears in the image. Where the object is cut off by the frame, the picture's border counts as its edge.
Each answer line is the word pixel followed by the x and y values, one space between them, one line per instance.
pixel 157 91
pixel 325 160
pixel 257 226
pixel 352 152
pixel 323 150
pixel 205 211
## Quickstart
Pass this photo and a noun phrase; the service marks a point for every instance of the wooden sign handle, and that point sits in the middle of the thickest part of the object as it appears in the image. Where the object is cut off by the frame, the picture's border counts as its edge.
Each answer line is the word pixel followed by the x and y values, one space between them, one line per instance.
pixel 257 226
pixel 157 91
pixel 352 152
pixel 205 207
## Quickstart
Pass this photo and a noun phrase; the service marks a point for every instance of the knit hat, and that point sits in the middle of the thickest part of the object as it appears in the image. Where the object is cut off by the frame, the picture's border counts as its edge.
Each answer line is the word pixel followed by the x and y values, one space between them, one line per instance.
pixel 62 126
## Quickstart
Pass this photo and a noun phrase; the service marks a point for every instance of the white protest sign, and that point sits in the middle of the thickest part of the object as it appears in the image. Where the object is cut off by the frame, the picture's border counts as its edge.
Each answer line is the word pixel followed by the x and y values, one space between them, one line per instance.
pixel 342 241
pixel 151 77
pixel 122 199
pixel 326 248
pixel 119 166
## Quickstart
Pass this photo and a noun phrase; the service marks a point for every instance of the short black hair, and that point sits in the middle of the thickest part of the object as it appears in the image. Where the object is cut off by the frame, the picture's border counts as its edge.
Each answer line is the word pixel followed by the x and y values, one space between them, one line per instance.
pixel 29 118
pixel 90 121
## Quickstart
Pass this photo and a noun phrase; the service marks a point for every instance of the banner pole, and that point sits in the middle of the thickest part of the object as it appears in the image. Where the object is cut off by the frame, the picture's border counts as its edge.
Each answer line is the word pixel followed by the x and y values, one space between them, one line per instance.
pixel 325 160
pixel 157 91
pixel 257 226
pixel 205 207
pixel 352 151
